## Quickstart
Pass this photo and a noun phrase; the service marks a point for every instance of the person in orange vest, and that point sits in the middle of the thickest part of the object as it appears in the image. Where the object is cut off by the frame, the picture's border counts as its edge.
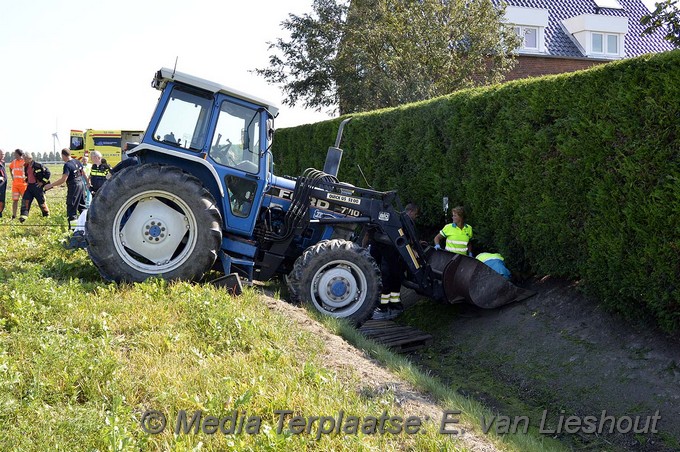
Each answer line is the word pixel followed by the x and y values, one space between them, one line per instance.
pixel 3 181
pixel 18 179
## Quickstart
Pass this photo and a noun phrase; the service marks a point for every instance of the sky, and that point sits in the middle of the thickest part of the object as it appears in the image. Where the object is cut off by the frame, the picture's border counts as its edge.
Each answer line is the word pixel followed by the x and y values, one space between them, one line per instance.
pixel 80 64
pixel 74 64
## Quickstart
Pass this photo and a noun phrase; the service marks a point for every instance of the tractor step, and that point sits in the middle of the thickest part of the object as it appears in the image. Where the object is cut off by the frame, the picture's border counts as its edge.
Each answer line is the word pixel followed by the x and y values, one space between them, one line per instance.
pixel 231 282
pixel 399 338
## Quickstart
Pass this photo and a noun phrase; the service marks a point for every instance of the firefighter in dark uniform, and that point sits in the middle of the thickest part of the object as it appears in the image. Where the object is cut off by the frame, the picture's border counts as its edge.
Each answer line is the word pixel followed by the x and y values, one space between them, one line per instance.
pixel 37 175
pixel 73 176
pixel 391 270
pixel 99 172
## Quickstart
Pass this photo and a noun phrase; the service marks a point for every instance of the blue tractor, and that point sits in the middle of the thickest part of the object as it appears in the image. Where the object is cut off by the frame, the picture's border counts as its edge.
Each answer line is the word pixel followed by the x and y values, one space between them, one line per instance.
pixel 203 195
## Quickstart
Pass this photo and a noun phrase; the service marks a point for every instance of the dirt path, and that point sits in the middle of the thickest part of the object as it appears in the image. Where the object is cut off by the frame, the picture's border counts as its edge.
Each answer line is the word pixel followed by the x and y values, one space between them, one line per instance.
pixel 341 356
pixel 558 351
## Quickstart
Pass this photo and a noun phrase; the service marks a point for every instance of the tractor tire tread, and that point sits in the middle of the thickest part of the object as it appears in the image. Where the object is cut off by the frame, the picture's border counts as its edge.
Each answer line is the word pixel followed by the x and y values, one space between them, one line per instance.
pixel 298 279
pixel 138 178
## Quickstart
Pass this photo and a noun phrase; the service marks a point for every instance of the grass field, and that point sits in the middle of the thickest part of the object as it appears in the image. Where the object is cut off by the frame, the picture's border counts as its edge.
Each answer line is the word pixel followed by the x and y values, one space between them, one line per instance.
pixel 82 360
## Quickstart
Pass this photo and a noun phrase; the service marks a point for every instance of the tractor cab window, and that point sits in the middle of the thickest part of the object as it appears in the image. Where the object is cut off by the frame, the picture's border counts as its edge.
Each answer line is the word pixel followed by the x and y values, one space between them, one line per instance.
pixel 185 120
pixel 241 193
pixel 236 140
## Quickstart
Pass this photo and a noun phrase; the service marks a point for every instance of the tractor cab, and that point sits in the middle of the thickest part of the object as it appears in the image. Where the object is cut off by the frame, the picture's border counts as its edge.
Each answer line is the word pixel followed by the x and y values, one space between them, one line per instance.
pixel 219 134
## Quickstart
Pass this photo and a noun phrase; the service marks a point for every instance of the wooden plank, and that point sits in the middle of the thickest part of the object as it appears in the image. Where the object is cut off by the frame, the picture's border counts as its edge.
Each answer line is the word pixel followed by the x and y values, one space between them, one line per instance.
pixel 379 322
pixel 383 331
pixel 398 335
pixel 407 340
pixel 400 338
pixel 392 328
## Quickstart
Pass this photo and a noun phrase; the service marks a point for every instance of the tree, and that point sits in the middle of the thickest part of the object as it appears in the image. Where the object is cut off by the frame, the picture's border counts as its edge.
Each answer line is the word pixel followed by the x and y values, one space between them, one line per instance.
pixel 380 53
pixel 306 64
pixel 666 16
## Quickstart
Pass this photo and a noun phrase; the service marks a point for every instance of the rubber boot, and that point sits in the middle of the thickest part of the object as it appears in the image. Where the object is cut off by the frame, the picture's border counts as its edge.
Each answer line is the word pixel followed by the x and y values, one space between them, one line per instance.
pixel 383 310
pixel 396 308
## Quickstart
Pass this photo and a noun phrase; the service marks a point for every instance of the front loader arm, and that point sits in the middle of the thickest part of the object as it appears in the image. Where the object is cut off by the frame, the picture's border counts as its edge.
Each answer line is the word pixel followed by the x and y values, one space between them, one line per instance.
pixel 381 211
pixel 440 275
pixel 396 229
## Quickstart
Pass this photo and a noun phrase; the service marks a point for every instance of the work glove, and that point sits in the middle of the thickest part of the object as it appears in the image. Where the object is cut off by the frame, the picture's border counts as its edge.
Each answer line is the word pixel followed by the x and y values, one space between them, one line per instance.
pixel 437 247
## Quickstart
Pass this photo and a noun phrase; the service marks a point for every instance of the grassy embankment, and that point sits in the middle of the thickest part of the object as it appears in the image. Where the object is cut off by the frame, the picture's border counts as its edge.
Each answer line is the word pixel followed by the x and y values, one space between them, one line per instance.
pixel 82 360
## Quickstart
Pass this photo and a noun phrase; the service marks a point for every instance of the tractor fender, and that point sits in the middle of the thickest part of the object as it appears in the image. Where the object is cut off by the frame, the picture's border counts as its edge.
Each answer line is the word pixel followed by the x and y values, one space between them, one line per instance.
pixel 145 151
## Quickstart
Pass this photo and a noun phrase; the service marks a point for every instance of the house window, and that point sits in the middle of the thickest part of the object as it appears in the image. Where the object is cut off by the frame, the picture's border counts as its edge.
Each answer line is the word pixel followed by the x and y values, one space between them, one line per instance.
pixel 605 43
pixel 598 47
pixel 529 36
pixel 612 44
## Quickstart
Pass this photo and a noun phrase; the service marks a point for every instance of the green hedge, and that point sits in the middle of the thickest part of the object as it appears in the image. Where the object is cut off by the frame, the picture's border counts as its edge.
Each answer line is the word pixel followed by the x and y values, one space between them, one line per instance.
pixel 575 175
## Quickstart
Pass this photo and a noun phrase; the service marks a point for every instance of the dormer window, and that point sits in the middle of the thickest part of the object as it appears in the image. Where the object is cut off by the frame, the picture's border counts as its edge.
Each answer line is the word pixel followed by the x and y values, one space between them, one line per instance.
pixel 529 37
pixel 529 24
pixel 596 35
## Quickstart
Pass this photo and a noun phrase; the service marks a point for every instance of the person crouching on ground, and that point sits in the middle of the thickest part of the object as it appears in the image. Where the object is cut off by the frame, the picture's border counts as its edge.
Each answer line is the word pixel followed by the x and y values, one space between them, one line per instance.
pixel 37 175
pixel 73 176
pixel 492 259
pixel 496 262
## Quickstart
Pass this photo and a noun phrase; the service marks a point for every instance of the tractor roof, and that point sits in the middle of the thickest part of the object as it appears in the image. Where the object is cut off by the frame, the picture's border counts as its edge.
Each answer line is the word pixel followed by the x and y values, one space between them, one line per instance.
pixel 165 75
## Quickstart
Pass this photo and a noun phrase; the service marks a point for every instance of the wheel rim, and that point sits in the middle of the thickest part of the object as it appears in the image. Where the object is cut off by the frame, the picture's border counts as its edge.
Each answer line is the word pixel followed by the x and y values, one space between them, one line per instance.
pixel 155 232
pixel 338 288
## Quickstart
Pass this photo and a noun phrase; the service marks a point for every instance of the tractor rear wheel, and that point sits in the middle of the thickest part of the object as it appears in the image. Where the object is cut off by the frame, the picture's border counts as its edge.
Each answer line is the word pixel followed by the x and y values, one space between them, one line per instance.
pixel 153 220
pixel 337 278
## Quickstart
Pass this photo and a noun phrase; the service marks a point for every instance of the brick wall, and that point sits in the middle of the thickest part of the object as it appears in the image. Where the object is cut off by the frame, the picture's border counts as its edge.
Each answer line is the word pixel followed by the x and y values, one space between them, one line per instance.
pixel 534 66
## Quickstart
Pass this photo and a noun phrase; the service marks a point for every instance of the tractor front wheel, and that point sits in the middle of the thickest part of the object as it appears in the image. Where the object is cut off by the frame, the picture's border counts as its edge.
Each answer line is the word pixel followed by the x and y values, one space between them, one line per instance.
pixel 337 278
pixel 153 220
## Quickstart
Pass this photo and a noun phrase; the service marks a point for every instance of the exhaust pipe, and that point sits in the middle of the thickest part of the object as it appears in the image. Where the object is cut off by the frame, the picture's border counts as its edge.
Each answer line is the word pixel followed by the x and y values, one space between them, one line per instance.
pixel 334 154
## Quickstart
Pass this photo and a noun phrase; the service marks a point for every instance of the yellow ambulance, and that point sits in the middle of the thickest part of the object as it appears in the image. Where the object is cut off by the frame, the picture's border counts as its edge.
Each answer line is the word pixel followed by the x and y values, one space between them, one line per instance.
pixel 111 143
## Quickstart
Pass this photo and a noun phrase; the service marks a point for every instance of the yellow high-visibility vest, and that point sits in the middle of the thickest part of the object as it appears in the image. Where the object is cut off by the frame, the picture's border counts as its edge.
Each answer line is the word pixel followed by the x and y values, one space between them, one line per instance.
pixel 483 257
pixel 456 238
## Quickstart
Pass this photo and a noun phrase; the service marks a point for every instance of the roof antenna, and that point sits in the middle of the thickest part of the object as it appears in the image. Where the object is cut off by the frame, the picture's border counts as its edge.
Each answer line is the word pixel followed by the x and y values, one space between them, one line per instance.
pixel 175 68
